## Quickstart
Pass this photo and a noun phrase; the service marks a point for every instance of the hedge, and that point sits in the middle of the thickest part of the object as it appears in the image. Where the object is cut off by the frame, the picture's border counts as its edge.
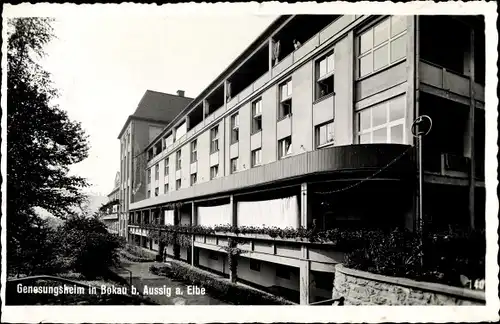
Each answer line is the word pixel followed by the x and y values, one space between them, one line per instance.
pixel 440 256
pixel 217 287
pixel 136 254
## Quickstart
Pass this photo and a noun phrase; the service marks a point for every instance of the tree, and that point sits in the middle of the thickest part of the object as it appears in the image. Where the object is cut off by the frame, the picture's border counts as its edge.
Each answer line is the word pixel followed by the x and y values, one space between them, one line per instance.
pixel 42 141
pixel 88 247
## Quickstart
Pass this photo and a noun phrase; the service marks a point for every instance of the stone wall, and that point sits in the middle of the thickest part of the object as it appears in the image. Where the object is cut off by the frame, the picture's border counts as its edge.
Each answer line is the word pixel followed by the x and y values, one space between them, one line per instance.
pixel 364 288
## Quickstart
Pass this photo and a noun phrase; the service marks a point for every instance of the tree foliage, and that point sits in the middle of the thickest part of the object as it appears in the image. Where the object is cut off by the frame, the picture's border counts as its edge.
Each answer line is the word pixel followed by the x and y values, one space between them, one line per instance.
pixel 87 247
pixel 42 142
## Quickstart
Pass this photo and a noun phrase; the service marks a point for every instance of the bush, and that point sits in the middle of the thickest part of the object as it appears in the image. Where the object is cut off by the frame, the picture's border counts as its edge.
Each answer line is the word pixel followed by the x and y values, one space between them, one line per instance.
pixel 88 247
pixel 139 253
pixel 37 252
pixel 217 287
pixel 134 258
pixel 437 256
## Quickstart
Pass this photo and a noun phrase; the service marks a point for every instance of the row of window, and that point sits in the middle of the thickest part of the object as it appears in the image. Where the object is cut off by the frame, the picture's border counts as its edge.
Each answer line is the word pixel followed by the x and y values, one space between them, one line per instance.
pixel 382 44
pixel 378 46
pixel 381 123
pixel 324 135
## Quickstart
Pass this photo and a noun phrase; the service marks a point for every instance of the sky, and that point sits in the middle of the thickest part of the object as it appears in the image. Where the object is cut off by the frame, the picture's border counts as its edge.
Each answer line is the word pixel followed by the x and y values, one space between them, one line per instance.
pixel 102 65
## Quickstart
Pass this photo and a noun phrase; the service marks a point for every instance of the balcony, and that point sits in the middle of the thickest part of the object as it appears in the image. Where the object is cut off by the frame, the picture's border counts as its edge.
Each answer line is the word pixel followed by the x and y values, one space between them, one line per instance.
pixel 323 256
pixel 339 159
pixel 113 216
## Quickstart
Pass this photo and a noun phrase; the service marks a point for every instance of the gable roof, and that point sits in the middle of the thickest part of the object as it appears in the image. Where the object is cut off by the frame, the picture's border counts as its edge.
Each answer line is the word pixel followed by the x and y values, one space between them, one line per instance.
pixel 158 107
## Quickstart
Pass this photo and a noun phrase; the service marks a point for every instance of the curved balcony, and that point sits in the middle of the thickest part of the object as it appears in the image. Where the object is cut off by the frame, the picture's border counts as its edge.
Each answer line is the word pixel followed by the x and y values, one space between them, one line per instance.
pixel 337 159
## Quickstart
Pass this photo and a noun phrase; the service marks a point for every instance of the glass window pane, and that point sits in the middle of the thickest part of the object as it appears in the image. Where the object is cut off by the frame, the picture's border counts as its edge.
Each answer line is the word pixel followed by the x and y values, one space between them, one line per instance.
pixel 398 48
pixel 381 57
pixel 365 65
pixel 364 119
pixel 329 132
pixel 330 63
pixel 322 68
pixel 398 25
pixel 365 138
pixel 380 136
pixel 381 33
pixel 397 108
pixel 379 115
pixel 289 88
pixel 322 135
pixel 283 92
pixel 366 41
pixel 397 134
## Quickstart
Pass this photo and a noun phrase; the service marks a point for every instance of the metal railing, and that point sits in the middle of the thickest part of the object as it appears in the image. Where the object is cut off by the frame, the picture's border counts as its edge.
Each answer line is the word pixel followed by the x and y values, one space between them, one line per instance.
pixel 332 302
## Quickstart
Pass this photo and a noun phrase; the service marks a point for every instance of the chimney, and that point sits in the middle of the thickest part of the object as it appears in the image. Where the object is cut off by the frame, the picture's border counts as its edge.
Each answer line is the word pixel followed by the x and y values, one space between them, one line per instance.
pixel 180 93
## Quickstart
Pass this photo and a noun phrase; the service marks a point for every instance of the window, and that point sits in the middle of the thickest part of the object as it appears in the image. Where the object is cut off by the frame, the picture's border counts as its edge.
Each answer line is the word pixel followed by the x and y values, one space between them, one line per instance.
pixel 148 171
pixel 383 123
pixel 234 165
pixel 381 45
pixel 324 76
pixel 128 168
pixel 254 265
pixel 282 272
pixel 178 160
pixel 284 147
pixel 166 167
pixel 177 184
pixel 213 255
pixel 285 107
pixel 193 178
pixel 157 191
pixel 324 134
pixel 194 152
pixel 214 172
pixel 165 188
pixel 157 171
pixel 235 125
pixel 214 139
pixel 256 157
pixel 149 194
pixel 256 116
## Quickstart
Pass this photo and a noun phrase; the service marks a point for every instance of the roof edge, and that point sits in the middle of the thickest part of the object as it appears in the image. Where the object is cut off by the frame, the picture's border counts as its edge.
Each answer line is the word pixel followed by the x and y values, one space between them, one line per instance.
pixel 255 43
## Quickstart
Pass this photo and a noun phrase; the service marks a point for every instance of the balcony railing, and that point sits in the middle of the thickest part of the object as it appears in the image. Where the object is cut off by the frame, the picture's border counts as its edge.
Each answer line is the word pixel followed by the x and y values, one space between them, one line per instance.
pixel 359 157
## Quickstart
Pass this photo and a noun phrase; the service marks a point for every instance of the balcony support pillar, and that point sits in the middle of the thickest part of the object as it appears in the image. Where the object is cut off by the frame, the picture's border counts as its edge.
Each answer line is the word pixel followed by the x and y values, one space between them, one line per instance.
pixel 205 108
pixel 305 266
pixel 305 277
pixel 304 206
pixel 193 223
pixel 234 211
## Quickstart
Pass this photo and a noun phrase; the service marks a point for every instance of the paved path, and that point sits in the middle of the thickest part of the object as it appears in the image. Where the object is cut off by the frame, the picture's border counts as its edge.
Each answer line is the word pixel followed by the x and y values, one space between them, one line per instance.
pixel 141 277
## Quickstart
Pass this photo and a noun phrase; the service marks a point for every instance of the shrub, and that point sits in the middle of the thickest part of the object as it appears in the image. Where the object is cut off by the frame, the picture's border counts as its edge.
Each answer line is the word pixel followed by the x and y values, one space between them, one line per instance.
pixel 437 256
pixel 136 254
pixel 135 258
pixel 88 247
pixel 218 287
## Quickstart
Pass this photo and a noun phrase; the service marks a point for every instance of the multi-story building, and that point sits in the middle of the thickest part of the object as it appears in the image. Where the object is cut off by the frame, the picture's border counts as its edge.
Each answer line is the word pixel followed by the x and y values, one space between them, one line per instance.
pixel 110 211
pixel 155 111
pixel 320 134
